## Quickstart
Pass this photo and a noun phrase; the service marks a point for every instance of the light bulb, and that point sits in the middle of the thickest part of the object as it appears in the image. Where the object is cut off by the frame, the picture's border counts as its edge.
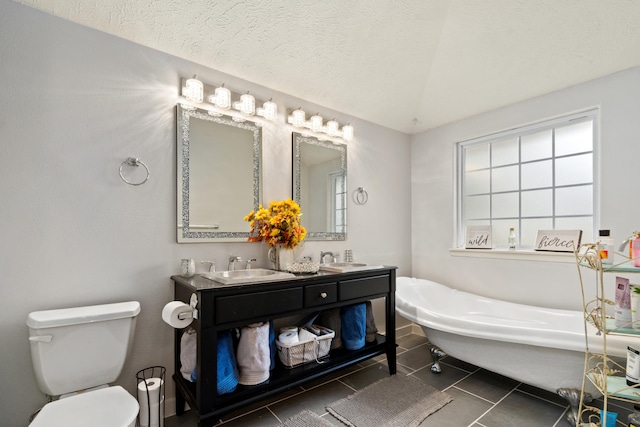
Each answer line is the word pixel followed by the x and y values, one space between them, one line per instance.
pixel 270 110
pixel 298 117
pixel 223 97
pixel 347 132
pixel 247 104
pixel 194 90
pixel 332 127
pixel 316 123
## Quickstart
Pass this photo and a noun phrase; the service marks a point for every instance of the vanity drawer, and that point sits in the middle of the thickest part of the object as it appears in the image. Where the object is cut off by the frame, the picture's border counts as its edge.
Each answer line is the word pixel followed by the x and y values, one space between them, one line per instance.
pixel 257 304
pixel 315 295
pixel 356 288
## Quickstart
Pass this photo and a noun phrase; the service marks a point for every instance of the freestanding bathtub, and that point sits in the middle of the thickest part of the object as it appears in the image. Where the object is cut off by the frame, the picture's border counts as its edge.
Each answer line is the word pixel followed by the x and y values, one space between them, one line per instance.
pixel 542 347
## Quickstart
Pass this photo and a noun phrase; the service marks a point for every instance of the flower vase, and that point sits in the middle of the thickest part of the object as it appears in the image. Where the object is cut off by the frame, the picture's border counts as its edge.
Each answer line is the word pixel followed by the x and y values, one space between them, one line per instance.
pixel 280 257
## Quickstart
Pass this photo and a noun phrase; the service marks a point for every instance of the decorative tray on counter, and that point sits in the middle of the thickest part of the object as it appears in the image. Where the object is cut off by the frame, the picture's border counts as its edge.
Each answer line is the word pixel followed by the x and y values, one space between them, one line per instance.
pixel 303 267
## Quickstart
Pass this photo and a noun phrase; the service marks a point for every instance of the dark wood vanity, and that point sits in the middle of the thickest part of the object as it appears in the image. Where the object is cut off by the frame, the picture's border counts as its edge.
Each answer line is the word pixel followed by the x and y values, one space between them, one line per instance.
pixel 222 307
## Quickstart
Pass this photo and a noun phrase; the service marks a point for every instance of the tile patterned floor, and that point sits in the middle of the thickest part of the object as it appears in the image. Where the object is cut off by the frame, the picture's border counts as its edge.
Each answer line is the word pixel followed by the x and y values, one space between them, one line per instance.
pixel 480 398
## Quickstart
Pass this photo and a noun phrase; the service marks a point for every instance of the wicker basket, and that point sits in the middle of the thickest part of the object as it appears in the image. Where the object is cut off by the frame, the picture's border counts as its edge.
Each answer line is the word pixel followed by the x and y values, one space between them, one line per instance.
pixel 309 349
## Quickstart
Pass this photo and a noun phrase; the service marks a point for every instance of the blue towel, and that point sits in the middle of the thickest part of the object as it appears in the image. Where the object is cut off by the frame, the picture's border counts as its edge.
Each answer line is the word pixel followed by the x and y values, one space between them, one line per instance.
pixel 228 375
pixel 227 372
pixel 354 322
pixel 272 346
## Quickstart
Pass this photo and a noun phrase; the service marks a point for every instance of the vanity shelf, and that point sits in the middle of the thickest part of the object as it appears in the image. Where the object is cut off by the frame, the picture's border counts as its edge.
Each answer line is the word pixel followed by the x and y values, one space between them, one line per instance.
pixel 222 307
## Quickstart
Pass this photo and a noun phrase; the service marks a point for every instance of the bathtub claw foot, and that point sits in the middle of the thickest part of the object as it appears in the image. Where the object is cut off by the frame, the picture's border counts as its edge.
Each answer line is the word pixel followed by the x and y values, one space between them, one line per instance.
pixel 572 395
pixel 436 356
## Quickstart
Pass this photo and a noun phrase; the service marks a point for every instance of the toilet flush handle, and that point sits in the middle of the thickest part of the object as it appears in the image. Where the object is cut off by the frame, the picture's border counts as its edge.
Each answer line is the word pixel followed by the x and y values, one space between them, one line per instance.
pixel 41 338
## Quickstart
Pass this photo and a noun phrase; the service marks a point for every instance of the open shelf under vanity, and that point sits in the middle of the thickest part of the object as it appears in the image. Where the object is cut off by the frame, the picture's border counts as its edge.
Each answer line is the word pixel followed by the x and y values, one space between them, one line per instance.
pixel 223 307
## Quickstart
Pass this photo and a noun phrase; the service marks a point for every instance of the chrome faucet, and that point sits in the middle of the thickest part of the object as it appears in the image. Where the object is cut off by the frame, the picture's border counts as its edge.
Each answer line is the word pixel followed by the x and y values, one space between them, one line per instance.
pixel 212 265
pixel 334 257
pixel 249 263
pixel 232 262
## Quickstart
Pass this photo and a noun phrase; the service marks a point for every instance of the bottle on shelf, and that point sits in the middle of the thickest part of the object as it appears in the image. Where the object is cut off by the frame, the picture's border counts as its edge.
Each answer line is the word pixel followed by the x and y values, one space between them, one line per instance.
pixel 634 418
pixel 605 247
pixel 634 251
pixel 513 239
pixel 634 248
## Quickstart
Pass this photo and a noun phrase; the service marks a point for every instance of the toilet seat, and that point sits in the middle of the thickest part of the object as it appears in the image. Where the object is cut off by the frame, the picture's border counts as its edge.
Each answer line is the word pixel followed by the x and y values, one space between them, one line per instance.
pixel 106 407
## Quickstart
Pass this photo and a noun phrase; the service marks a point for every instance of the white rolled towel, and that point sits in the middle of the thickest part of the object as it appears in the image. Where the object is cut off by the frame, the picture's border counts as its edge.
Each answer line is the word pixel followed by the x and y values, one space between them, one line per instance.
pixel 188 356
pixel 254 354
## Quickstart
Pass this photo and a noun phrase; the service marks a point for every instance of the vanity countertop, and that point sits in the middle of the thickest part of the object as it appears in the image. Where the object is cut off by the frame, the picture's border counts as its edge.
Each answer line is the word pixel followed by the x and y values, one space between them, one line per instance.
pixel 202 283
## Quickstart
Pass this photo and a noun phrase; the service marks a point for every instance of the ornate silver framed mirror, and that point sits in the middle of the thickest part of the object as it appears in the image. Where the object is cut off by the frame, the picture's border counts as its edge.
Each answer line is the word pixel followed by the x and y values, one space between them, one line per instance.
pixel 320 186
pixel 219 176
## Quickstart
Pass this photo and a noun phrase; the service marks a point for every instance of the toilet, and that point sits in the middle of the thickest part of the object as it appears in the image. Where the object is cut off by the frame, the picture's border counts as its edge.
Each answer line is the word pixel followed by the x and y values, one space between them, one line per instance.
pixel 76 353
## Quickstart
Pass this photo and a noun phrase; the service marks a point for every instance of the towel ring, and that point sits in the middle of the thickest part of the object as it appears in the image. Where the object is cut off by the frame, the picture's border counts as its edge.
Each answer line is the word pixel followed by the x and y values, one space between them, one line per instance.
pixel 361 196
pixel 132 161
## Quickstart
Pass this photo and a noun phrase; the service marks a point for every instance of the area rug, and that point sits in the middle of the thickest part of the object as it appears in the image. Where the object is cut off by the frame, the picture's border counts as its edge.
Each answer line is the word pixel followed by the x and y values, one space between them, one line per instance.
pixel 306 419
pixel 395 401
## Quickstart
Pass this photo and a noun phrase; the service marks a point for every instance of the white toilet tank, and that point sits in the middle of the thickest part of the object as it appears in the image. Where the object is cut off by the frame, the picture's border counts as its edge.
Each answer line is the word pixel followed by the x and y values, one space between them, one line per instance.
pixel 78 348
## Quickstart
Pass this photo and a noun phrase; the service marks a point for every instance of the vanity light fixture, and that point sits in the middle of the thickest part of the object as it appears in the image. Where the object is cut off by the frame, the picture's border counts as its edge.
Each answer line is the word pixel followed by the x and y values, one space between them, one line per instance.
pixel 315 123
pixel 194 90
pixel 247 104
pixel 347 132
pixel 269 110
pixel 332 127
pixel 219 101
pixel 297 119
pixel 221 98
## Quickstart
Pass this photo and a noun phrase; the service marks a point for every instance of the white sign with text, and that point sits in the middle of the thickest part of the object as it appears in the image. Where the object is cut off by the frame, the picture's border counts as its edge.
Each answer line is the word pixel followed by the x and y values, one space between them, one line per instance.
pixel 558 240
pixel 478 237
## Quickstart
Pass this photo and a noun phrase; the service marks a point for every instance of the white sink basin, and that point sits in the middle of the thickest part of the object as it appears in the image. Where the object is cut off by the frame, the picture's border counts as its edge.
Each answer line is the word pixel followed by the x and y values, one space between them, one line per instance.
pixel 247 276
pixel 341 267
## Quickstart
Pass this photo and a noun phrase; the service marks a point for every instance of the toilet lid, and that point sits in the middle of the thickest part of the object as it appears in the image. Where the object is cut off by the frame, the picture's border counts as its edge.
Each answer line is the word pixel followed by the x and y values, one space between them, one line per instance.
pixel 106 407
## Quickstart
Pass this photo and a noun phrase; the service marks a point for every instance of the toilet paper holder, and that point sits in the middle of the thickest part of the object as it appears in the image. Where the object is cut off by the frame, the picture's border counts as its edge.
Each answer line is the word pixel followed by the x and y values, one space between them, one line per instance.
pixel 188 315
pixel 193 314
pixel 178 314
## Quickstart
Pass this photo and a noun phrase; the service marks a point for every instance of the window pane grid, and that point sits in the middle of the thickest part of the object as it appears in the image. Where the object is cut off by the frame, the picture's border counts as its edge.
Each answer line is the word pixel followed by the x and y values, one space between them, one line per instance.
pixel 506 179
pixel 338 205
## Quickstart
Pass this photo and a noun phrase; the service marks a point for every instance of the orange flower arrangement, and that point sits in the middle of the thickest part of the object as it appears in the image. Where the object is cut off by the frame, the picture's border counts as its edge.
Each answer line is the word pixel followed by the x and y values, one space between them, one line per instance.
pixel 278 224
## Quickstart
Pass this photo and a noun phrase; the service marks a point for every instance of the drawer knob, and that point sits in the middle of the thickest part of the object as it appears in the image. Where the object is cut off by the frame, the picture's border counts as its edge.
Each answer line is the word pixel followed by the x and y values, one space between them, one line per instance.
pixel 323 295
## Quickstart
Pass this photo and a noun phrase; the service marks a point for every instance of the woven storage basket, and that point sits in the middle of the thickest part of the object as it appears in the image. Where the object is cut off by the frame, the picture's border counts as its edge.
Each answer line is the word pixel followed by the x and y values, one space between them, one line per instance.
pixel 307 350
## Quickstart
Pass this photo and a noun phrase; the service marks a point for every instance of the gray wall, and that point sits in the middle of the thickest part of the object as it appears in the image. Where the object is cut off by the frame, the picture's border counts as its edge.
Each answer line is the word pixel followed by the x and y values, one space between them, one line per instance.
pixel 75 103
pixel 546 284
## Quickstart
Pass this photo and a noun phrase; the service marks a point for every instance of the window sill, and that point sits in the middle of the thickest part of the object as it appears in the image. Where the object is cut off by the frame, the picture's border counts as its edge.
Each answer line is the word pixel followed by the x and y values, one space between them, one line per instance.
pixel 519 254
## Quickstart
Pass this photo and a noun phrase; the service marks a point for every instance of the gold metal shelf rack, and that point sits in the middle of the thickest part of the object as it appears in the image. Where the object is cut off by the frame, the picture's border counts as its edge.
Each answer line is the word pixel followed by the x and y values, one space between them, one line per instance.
pixel 605 373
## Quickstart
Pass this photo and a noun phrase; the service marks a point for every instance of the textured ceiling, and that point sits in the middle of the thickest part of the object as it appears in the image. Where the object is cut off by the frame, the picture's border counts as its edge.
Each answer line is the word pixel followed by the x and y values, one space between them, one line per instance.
pixel 409 65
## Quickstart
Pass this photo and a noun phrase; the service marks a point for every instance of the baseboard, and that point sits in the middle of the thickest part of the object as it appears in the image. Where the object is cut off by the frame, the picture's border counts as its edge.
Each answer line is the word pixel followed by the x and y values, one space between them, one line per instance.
pixel 169 407
pixel 409 329
pixel 417 329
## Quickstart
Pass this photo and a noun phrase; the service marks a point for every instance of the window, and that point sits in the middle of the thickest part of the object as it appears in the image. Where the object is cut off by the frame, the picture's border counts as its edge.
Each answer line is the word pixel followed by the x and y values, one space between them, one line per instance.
pixel 338 202
pixel 538 177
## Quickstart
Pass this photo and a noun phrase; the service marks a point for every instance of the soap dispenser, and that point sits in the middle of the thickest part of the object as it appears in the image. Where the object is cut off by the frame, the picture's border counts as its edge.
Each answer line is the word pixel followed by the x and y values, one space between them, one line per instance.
pixel 187 267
